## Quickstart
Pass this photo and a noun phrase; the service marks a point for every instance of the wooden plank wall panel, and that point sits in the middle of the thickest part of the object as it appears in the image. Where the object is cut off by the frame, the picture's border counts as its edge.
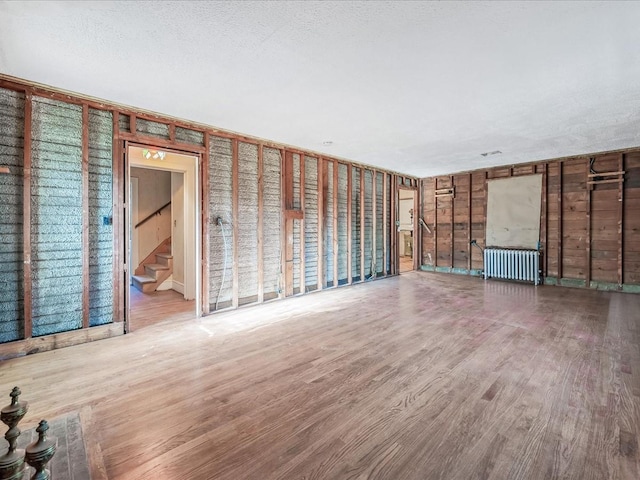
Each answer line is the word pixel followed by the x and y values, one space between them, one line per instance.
pixel 343 274
pixel 221 239
pixel 379 232
pixel 100 209
pixel 604 223
pixel 631 215
pixel 11 207
pixel 478 200
pixel 444 208
pixel 297 224
pixel 271 224
pixel 369 256
pixel 328 224
pixel 579 232
pixel 390 228
pixel 574 219
pixel 553 215
pixel 56 216
pixel 428 216
pixel 355 224
pixel 247 258
pixel 311 231
pixel 461 222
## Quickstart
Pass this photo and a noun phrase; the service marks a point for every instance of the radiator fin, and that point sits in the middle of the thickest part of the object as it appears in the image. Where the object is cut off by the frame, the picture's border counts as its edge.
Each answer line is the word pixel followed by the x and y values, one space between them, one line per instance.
pixel 521 265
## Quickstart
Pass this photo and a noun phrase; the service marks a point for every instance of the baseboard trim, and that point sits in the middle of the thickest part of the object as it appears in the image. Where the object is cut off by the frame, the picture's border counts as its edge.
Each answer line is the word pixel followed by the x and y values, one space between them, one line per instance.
pixel 20 348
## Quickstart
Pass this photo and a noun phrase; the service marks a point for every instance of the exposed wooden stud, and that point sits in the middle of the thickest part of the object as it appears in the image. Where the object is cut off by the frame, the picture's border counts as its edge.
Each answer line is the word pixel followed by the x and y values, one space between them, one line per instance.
pixel 606 174
pixel 559 190
pixel 284 221
pixel 303 281
pixel 115 217
pixel 612 180
pixel 393 256
pixel 206 230
pixel 235 217
pixel 162 143
pixel 321 230
pixel 587 249
pixel 335 224
pixel 349 236
pixel 416 243
pixel 435 224
pixel 362 221
pixel 545 212
pixel 123 231
pixel 133 129
pixel 452 251
pixel 385 213
pixel 26 216
pixel 172 132
pixel 85 216
pixel 260 224
pixel 620 222
pixel 469 226
pixel 374 214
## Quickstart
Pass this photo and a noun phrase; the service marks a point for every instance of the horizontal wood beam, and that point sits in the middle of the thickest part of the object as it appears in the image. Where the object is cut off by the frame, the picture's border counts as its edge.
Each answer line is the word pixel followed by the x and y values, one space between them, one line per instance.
pixel 59 340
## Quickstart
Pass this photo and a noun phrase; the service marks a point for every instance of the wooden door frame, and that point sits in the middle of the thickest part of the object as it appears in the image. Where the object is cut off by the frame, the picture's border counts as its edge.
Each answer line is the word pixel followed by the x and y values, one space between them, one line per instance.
pixel 417 244
pixel 123 267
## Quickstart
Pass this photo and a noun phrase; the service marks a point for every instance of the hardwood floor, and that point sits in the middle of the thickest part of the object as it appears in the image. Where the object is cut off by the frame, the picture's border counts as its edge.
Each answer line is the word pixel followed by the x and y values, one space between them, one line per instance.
pixel 420 376
pixel 159 307
pixel 406 264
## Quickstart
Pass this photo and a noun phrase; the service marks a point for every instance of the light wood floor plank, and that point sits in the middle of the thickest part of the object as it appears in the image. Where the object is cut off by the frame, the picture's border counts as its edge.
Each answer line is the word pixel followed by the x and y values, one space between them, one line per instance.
pixel 420 376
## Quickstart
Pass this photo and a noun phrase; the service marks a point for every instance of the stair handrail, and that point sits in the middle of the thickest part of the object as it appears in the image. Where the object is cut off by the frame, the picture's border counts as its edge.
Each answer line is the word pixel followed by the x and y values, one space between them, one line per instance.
pixel 157 212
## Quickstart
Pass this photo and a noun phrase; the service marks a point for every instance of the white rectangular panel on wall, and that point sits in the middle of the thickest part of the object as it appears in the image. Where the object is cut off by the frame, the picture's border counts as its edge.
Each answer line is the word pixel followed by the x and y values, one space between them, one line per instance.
pixel 513 211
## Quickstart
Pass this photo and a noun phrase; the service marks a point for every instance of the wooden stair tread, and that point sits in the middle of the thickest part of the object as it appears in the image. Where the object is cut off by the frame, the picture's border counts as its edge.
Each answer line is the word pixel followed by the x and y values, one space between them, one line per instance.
pixel 143 279
pixel 156 266
pixel 168 256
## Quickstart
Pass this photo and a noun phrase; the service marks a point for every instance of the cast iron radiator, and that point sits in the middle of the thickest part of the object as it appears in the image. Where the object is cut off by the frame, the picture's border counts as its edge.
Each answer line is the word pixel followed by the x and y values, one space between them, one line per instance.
pixel 522 265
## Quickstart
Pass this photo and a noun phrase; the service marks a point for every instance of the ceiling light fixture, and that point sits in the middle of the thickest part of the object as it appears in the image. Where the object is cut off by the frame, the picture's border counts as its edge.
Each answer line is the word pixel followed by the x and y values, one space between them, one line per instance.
pixel 495 152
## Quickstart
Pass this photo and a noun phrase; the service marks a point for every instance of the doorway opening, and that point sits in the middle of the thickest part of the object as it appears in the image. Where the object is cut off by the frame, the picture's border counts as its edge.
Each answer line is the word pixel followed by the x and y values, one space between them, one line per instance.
pixel 406 228
pixel 163 232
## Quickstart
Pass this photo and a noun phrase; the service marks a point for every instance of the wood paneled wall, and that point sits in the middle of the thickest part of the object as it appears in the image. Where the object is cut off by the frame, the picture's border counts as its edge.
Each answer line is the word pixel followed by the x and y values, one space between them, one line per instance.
pixel 589 222
pixel 292 221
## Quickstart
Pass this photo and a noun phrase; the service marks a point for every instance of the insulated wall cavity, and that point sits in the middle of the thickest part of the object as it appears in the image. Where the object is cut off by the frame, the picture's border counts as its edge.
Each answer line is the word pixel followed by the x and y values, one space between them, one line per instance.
pixel 220 223
pixel 311 223
pixel 11 208
pixel 380 225
pixel 56 216
pixel 100 213
pixel 328 224
pixel 272 205
pixel 369 256
pixel 247 223
pixel 343 236
pixel 355 225
pixel 297 225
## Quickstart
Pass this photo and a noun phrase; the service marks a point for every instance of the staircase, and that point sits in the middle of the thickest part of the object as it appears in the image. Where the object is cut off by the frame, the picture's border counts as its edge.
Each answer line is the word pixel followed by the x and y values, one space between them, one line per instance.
pixel 155 269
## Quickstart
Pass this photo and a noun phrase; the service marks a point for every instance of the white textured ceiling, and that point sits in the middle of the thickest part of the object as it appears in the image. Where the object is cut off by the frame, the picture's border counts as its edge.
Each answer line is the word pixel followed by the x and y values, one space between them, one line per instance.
pixel 417 87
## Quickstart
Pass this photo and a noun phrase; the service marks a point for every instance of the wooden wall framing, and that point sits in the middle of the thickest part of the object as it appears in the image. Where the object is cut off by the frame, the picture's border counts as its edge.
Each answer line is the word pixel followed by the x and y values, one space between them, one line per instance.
pixel 128 127
pixel 589 220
